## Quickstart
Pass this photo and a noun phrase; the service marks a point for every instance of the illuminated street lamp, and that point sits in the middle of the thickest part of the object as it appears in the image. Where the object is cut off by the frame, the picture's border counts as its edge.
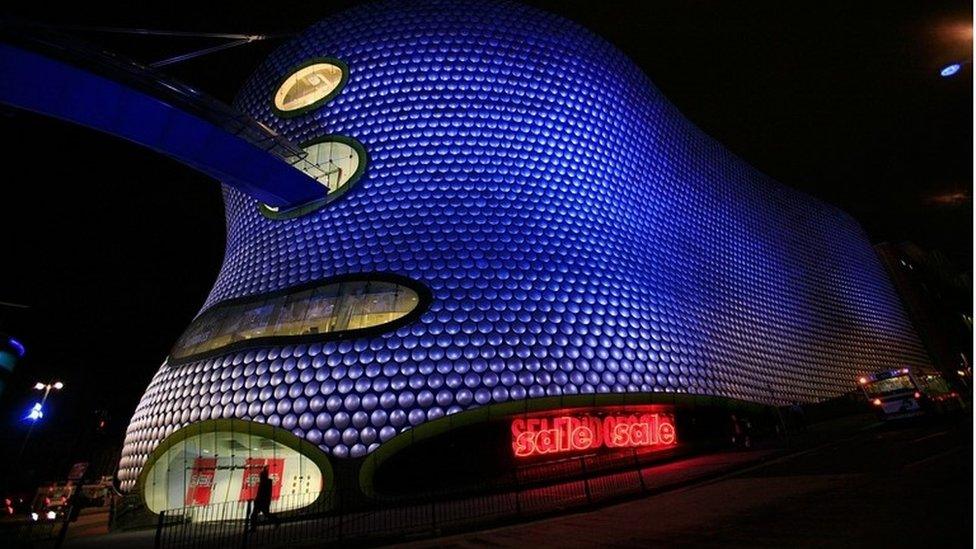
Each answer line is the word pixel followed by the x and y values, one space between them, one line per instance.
pixel 37 410
pixel 950 70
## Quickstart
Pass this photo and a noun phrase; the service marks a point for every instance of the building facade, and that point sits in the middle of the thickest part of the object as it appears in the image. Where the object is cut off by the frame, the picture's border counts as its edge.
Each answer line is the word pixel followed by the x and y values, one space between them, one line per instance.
pixel 938 299
pixel 516 220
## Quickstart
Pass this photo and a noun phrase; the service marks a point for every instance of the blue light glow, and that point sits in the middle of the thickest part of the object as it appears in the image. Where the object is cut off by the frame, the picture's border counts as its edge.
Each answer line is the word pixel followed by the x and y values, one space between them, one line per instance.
pixel 36 412
pixel 91 99
pixel 17 346
pixel 578 235
pixel 950 70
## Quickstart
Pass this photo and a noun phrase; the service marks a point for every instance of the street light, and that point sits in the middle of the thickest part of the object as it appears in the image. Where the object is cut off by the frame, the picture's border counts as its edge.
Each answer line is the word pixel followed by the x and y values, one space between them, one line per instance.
pixel 951 69
pixel 37 410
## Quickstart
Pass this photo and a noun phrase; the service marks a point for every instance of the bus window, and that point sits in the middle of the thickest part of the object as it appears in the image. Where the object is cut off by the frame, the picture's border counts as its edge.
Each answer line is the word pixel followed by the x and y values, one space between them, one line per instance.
pixel 936 385
pixel 887 386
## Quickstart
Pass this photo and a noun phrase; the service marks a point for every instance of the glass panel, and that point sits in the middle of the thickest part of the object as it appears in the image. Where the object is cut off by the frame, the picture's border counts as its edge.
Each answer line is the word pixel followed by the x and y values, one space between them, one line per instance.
pixel 350 306
pixel 210 475
pixel 334 164
pixel 331 163
pixel 407 300
pixel 936 384
pixel 379 303
pixel 308 85
pixel 291 314
pixel 321 310
pixel 202 330
pixel 329 308
pixel 890 385
pixel 229 330
pixel 258 318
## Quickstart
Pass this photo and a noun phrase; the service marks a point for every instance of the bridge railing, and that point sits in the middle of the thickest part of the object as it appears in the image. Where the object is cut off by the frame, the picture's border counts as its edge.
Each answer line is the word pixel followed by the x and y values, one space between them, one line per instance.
pixel 151 82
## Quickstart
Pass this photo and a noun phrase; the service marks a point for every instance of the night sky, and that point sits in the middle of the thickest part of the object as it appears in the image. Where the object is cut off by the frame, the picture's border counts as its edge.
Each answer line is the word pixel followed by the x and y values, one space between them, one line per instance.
pixel 114 248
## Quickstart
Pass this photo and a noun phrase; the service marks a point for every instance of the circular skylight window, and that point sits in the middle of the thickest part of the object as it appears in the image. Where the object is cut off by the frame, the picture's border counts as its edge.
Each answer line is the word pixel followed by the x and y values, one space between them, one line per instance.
pixel 309 86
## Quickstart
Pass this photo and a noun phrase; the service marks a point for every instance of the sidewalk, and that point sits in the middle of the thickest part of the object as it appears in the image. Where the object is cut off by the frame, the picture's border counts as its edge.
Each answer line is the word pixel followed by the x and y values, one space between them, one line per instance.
pixel 438 517
pixel 812 497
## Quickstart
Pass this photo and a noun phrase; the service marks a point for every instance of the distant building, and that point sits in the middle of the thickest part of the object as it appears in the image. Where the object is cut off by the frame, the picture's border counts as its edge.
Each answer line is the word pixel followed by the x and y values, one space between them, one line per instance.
pixel 938 298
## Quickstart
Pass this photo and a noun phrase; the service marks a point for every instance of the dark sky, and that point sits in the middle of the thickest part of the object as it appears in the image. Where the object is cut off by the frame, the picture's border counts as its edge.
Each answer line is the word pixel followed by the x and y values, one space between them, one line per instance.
pixel 114 248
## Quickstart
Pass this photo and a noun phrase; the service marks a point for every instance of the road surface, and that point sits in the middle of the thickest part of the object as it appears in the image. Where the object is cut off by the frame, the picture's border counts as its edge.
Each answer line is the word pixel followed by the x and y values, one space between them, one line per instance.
pixel 908 485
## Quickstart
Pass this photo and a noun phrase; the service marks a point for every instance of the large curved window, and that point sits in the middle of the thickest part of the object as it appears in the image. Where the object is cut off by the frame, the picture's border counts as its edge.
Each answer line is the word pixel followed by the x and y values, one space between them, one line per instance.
pixel 309 86
pixel 210 470
pixel 314 313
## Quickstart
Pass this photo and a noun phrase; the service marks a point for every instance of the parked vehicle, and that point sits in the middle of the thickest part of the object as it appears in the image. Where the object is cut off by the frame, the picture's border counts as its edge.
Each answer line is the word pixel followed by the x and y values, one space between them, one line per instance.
pixel 904 392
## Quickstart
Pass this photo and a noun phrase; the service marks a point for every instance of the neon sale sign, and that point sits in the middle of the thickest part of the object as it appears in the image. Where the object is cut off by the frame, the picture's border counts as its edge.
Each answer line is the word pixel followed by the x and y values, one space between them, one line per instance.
pixel 568 431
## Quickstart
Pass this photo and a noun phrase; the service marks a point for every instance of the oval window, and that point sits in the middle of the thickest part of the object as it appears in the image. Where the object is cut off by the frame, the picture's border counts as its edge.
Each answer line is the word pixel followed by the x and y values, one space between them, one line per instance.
pixel 332 163
pixel 309 86
pixel 323 311
pixel 209 471
pixel 335 161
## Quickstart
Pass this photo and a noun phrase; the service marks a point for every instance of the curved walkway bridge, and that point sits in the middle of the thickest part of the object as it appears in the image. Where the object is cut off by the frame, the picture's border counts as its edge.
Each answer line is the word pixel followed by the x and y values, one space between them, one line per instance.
pixel 48 74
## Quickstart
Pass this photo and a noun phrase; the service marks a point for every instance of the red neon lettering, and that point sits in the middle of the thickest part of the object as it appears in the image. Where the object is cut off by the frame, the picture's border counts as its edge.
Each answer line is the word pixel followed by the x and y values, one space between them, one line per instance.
pixel 573 433
pixel 640 433
pixel 621 434
pixel 582 438
pixel 598 438
pixel 666 431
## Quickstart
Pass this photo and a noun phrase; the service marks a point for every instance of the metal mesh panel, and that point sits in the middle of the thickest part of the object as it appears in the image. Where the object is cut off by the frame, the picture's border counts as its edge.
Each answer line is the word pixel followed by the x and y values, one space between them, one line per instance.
pixel 577 233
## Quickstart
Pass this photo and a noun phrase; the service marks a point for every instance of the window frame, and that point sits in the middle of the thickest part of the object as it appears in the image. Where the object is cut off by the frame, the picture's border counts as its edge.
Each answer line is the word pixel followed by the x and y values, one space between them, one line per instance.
pixel 238 425
pixel 424 300
pixel 307 208
pixel 343 67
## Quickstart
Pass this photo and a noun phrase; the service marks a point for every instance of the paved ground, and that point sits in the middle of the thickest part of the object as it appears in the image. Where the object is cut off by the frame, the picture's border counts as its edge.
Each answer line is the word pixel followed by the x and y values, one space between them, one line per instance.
pixel 888 486
pixel 660 477
pixel 851 482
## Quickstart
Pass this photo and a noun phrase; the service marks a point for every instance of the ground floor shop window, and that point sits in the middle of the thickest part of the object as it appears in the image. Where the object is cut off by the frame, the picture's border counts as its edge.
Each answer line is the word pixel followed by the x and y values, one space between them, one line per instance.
pixel 218 465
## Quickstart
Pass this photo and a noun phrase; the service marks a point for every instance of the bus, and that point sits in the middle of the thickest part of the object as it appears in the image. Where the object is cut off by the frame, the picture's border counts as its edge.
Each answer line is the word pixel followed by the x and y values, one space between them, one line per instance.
pixel 904 392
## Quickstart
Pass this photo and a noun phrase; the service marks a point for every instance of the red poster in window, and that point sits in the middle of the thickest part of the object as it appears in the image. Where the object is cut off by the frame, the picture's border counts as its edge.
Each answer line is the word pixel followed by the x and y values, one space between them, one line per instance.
pixel 252 476
pixel 201 481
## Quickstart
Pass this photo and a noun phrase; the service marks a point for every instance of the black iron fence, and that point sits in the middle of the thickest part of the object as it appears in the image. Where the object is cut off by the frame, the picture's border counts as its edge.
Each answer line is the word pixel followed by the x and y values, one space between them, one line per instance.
pixel 330 520
pixel 529 491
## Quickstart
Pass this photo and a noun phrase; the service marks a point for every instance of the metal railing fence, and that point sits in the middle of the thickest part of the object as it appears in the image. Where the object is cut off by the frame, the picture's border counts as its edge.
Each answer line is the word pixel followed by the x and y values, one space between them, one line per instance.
pixel 333 519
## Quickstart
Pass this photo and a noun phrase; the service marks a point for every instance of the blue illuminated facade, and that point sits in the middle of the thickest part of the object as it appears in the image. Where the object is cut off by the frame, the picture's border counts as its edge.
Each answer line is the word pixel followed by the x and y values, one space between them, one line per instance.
pixel 576 234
